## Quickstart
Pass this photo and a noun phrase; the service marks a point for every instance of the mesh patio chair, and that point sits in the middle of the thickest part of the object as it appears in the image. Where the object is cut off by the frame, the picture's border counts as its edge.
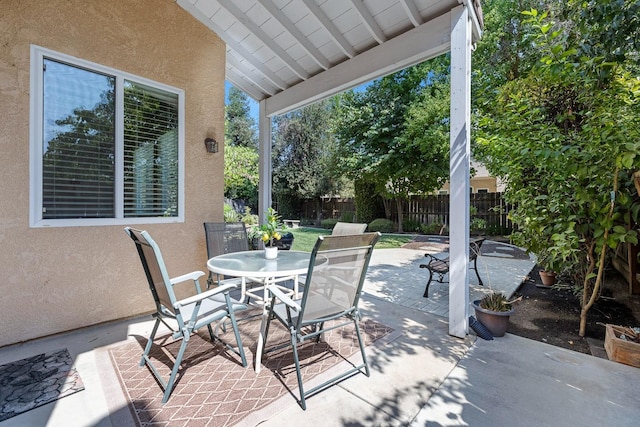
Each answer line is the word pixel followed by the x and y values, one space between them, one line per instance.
pixel 343 228
pixel 334 281
pixel 190 313
pixel 223 238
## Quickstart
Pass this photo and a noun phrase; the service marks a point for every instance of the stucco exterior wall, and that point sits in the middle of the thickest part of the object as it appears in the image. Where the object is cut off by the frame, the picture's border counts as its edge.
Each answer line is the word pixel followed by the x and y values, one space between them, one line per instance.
pixel 58 279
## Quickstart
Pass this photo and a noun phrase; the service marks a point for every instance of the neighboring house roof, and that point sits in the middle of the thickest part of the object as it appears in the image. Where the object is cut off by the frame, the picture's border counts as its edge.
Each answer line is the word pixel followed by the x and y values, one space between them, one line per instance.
pixel 296 52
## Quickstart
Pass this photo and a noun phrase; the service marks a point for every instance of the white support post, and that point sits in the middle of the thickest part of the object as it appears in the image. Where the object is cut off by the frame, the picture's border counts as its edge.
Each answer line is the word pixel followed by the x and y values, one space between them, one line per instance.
pixel 459 171
pixel 264 142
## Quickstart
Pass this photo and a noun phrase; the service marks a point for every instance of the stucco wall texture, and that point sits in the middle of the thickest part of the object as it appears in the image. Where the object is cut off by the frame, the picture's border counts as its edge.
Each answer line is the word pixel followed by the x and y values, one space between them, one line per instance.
pixel 59 279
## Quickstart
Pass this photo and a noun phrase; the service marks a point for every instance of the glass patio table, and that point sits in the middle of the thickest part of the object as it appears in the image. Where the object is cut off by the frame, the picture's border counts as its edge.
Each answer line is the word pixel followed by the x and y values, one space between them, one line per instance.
pixel 253 266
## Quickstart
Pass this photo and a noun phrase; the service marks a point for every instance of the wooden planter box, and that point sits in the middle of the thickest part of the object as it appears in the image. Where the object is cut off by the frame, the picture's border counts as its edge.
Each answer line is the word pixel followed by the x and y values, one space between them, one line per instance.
pixel 621 351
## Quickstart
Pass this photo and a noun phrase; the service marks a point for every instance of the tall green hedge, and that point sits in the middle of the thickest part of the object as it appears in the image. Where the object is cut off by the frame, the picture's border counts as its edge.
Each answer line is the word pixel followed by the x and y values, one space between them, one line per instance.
pixel 368 203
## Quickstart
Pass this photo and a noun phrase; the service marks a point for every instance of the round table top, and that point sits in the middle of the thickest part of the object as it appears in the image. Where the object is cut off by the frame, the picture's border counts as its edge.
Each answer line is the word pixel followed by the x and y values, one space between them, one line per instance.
pixel 254 264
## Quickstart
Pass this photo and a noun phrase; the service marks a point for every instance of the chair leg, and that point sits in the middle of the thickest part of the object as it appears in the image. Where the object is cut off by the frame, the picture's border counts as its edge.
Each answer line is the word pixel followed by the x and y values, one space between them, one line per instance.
pixel 426 290
pixel 303 403
pixel 147 348
pixel 475 268
pixel 236 332
pixel 361 343
pixel 174 371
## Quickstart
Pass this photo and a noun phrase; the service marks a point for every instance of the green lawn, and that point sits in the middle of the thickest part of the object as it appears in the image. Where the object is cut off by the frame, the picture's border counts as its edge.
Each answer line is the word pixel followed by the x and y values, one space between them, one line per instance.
pixel 305 237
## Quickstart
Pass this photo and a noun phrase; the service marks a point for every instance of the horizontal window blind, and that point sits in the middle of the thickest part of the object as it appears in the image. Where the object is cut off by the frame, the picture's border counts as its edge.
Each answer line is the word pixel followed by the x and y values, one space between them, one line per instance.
pixel 150 152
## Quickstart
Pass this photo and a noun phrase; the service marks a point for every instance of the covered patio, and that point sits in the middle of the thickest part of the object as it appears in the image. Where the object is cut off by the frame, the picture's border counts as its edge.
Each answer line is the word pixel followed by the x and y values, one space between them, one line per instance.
pixel 287 55
pixel 428 369
pixel 420 374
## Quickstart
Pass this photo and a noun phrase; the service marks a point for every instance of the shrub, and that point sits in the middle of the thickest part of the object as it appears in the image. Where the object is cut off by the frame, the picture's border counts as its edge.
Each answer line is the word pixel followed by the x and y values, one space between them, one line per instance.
pixel 248 218
pixel 346 217
pixel 230 215
pixel 328 223
pixel 410 224
pixel 433 228
pixel 382 225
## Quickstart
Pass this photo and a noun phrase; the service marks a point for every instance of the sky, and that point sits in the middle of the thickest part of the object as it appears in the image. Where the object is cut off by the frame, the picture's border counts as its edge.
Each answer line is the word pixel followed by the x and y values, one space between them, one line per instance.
pixel 253 105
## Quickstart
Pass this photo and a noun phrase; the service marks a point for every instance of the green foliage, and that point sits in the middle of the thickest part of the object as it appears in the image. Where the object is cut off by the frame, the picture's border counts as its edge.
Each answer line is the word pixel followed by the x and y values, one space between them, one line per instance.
pixel 303 155
pixel 230 215
pixel 432 228
pixel 382 225
pixel 495 302
pixel 346 217
pixel 565 136
pixel 241 174
pixel 240 128
pixel 248 218
pixel 367 204
pixel 411 225
pixel 394 134
pixel 478 224
pixel 328 223
pixel 272 227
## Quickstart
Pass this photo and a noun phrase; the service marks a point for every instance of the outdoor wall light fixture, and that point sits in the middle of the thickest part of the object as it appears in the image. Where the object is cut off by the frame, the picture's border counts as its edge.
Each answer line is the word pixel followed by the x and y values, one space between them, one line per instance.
pixel 211 144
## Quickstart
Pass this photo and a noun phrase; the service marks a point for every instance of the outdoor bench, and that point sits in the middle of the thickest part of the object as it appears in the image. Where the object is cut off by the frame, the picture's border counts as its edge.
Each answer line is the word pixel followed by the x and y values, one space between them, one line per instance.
pixel 441 266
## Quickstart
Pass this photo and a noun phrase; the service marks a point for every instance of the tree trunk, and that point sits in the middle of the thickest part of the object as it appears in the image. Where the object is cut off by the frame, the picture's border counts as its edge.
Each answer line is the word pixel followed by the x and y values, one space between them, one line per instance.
pixel 400 214
pixel 318 209
pixel 589 296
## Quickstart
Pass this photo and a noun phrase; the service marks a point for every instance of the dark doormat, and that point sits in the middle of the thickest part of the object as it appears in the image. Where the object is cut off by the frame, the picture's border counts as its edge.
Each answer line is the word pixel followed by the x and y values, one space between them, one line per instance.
pixel 35 381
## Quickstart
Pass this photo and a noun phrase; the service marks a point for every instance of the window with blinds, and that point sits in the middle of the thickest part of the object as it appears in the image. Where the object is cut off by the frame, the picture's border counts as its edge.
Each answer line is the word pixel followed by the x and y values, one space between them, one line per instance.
pixel 106 145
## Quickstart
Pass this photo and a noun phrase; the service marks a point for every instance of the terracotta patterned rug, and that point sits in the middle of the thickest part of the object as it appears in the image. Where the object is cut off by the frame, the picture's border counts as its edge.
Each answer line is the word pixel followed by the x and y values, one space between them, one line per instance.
pixel 213 389
pixel 35 381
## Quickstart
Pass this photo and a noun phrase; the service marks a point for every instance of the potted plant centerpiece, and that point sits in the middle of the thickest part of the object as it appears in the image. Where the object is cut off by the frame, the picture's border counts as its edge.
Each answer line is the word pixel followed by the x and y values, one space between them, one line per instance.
pixel 271 233
pixel 493 311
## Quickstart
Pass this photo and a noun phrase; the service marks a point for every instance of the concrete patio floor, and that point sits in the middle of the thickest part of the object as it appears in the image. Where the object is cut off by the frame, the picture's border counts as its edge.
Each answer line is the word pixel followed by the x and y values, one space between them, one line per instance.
pixel 420 376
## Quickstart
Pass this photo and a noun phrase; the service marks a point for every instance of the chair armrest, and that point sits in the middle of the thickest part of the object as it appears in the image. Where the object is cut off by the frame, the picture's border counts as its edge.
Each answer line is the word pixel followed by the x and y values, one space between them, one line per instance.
pixel 194 275
pixel 284 298
pixel 204 295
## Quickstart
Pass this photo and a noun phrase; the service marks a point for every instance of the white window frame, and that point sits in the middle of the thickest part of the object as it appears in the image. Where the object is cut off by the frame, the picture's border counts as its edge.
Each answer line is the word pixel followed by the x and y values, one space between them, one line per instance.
pixel 36 129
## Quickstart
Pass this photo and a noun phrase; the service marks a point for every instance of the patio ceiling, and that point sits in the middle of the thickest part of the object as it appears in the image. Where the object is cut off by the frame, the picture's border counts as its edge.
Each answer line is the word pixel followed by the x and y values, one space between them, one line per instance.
pixel 292 53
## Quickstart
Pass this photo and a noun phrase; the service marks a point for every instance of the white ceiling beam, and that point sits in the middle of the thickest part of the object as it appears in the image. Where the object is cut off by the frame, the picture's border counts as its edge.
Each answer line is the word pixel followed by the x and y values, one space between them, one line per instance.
pixel 264 38
pixel 237 47
pixel 333 31
pixel 277 14
pixel 263 84
pixel 244 85
pixel 369 22
pixel 412 12
pixel 417 45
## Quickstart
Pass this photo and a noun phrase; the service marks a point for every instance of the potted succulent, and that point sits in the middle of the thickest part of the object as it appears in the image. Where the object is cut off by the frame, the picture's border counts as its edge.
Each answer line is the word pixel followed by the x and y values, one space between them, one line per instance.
pixel 271 233
pixel 493 311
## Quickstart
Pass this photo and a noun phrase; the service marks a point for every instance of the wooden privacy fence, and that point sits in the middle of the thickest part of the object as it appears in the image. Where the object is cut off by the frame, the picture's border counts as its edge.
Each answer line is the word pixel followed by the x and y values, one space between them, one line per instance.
pixel 489 209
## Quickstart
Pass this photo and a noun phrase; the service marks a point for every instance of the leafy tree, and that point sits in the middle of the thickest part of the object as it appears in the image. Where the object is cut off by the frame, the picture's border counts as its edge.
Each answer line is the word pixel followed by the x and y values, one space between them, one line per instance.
pixel 565 136
pixel 395 133
pixel 240 128
pixel 241 175
pixel 302 157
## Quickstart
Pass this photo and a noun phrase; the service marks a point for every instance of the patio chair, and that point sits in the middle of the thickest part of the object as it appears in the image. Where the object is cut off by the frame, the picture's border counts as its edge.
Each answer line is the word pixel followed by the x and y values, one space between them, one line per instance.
pixel 334 281
pixel 343 228
pixel 441 266
pixel 190 313
pixel 223 238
